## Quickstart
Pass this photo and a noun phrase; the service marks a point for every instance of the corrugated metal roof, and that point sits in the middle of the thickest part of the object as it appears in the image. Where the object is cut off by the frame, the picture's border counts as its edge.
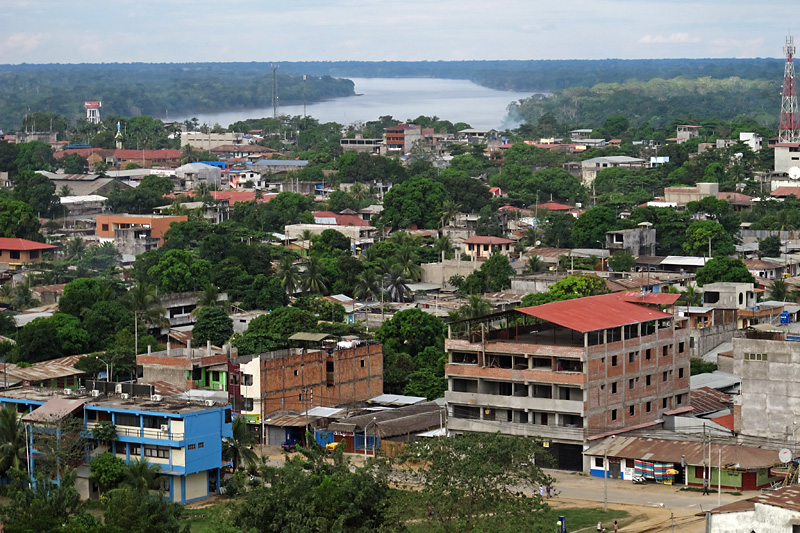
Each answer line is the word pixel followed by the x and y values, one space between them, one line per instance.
pixel 716 380
pixel 671 451
pixel 310 337
pixel 708 400
pixel 54 410
pixel 396 399
pixel 594 312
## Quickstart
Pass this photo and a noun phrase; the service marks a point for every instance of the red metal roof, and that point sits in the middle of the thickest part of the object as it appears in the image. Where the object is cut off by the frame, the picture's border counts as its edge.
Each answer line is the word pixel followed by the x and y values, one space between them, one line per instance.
pixel 595 312
pixel 7 243
pixel 477 239
pixel 724 421
pixel 656 298
pixel 707 400
pixel 785 191
pixel 555 206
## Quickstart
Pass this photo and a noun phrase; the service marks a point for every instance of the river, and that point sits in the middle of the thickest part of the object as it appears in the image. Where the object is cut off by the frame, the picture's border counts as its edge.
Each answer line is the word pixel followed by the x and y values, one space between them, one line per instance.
pixel 402 98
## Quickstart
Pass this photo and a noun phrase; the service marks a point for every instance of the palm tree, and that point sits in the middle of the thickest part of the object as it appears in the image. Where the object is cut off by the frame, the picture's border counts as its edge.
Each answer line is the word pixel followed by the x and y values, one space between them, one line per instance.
pixel 75 248
pixel 474 307
pixel 368 285
pixel 444 246
pixel 779 290
pixel 314 281
pixel 358 192
pixel 209 297
pixel 13 447
pixel 306 238
pixel 535 264
pixel 23 297
pixel 143 301
pixel 289 275
pixel 237 448
pixel 396 283
pixel 448 212
pixel 691 296
pixel 141 475
pixel 407 258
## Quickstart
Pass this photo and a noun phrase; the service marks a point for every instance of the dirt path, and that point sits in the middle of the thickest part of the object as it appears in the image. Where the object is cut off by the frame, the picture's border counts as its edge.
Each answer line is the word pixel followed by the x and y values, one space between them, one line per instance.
pixel 642 518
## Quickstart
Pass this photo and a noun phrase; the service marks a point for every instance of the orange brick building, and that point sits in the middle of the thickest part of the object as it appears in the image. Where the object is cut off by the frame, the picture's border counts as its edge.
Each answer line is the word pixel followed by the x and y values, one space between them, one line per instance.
pixel 156 224
pixel 296 379
pixel 568 371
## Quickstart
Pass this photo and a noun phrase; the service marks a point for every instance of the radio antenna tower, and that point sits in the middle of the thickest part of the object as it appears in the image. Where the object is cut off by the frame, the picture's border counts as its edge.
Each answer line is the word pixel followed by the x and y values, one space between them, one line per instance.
pixel 789 129
pixel 275 91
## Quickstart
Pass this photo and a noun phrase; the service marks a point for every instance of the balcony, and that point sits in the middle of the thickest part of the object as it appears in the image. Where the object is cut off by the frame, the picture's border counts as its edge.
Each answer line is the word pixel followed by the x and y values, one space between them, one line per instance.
pixel 142 433
pixel 515 402
pixel 558 433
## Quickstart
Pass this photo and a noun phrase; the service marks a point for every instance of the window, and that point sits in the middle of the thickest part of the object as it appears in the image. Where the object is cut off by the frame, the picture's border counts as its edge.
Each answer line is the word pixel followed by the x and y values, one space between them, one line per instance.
pixel 228 417
pixel 647 381
pixel 161 452
pixel 649 406
pixel 14 254
pixel 755 357
pixel 613 360
pixel 613 414
pixel 632 357
pixel 630 383
pixel 105 227
pixel 362 363
pixel 681 347
pixel 247 404
pixel 648 353
pixel 679 399
pixel 247 380
pixel 631 410
pixel 663 403
pixel 664 376
pixel 614 388
pixel 665 350
pixel 200 444
pixel 680 372
pixel 191 447
pixel 295 372
pixel 598 462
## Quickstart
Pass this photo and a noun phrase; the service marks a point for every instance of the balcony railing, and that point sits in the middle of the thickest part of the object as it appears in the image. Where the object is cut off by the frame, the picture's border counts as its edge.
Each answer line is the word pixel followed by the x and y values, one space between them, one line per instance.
pixel 142 433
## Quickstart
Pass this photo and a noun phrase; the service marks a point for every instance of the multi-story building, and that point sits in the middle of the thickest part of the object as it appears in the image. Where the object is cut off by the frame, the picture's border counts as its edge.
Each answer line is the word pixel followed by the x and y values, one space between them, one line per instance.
pixel 109 225
pixel 19 252
pixel 184 438
pixel 568 370
pixel 298 379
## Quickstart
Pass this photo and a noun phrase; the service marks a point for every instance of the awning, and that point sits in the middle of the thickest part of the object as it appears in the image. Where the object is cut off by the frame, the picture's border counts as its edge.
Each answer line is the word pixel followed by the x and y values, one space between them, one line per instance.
pixel 310 337
pixel 54 410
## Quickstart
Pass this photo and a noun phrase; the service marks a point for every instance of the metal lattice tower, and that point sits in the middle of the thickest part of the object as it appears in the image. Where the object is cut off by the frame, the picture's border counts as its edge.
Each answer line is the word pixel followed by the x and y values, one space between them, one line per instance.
pixel 789 129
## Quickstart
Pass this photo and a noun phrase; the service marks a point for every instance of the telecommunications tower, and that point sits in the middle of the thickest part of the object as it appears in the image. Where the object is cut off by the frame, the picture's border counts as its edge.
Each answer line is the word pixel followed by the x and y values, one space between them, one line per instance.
pixel 789 129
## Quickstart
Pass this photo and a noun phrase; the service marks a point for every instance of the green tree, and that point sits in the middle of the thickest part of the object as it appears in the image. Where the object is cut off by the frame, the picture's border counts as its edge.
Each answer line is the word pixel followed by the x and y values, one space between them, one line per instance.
pixel 575 286
pixel 237 448
pixel 43 505
pixel 143 301
pixel 322 308
pixel 289 274
pixel 770 246
pixel 314 281
pixel 411 331
pixel 589 231
pixel 38 192
pixel 415 201
pixel 180 271
pixel 33 156
pixel 698 365
pixel 18 219
pixel 721 269
pixel 213 324
pixel 75 164
pixel 704 234
pixel 426 383
pixel 107 471
pixel 128 511
pixel 778 290
pixel 81 294
pixel 13 445
pixel 475 481
pixel 621 261
pixel 498 272
pixel 38 341
pixel 140 476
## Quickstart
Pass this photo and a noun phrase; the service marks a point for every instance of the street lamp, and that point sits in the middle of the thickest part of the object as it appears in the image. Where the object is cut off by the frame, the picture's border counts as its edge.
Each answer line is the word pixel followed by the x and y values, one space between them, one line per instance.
pixel 108 372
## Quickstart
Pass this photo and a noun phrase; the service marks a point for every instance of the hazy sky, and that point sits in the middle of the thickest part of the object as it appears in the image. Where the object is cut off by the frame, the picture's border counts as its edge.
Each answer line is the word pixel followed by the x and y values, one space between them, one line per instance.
pixel 76 31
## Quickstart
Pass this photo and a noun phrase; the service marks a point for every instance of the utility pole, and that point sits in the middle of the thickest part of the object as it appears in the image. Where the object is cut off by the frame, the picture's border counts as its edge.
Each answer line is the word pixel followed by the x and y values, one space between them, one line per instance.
pixel 719 477
pixel 605 479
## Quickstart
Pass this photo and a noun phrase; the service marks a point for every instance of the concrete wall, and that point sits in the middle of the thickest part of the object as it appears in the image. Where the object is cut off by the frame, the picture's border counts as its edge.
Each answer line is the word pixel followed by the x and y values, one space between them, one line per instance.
pixel 534 284
pixel 196 486
pixel 440 273
pixel 770 399
pixel 706 339
pixel 762 518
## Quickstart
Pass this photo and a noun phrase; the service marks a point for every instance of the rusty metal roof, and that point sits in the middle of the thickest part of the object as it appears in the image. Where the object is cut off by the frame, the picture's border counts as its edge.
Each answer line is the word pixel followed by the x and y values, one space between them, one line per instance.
pixel 734 456
pixel 54 410
pixel 599 312
pixel 785 498
pixel 707 400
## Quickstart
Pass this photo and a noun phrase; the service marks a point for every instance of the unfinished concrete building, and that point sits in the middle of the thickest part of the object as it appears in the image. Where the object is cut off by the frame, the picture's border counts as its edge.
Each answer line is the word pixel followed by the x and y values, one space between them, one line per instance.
pixel 569 370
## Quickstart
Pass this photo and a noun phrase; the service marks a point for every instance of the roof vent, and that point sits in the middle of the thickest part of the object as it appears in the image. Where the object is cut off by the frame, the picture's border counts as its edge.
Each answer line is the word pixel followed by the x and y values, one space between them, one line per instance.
pixel 156 398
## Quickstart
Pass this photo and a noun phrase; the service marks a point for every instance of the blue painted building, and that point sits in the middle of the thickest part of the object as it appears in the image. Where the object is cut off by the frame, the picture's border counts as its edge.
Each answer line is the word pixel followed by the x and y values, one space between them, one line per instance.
pixel 183 437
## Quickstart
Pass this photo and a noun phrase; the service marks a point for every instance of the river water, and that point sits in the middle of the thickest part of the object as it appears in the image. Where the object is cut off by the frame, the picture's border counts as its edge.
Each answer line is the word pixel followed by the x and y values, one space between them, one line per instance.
pixel 402 98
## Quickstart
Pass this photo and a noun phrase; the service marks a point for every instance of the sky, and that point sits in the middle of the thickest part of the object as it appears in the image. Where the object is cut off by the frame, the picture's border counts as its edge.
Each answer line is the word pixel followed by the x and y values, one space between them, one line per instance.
pixel 91 31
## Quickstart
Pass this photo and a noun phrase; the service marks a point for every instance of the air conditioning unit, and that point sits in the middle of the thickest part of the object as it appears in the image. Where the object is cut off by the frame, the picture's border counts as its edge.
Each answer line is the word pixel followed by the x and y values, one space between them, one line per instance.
pixel 165 428
pixel 156 398
pixel 209 403
pixel 95 393
pixel 67 392
pixel 118 388
pixel 125 396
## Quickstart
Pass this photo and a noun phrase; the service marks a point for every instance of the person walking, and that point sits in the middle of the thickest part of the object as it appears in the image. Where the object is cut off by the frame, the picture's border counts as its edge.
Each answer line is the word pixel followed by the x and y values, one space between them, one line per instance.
pixel 547 489
pixel 541 491
pixel 616 526
pixel 705 487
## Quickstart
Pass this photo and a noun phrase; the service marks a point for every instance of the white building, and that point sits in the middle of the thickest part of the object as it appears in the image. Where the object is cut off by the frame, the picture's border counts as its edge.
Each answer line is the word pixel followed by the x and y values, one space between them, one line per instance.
pixel 776 512
pixel 591 167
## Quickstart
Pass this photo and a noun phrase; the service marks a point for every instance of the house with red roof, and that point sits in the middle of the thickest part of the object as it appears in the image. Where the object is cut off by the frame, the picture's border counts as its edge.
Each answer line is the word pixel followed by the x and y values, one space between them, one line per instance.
pixel 19 252
pixel 481 247
pixel 497 192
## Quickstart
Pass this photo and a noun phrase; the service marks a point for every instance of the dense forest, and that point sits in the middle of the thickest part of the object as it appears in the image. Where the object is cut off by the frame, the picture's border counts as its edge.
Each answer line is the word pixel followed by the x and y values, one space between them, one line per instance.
pixel 159 90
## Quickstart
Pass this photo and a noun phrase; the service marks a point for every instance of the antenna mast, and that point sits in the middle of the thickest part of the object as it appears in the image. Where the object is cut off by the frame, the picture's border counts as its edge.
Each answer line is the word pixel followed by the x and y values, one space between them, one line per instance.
pixel 789 129
pixel 275 91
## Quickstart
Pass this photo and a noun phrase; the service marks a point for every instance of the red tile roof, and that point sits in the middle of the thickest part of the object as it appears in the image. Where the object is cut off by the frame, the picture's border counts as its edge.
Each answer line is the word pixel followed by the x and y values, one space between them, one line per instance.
pixel 781 192
pixel 555 206
pixel 23 244
pixel 593 313
pixel 231 196
pixel 735 197
pixel 478 239
pixel 725 421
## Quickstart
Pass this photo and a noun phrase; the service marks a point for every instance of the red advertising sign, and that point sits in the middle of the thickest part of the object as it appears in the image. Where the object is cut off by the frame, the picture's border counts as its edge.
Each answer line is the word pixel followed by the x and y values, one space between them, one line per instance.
pixel 91 104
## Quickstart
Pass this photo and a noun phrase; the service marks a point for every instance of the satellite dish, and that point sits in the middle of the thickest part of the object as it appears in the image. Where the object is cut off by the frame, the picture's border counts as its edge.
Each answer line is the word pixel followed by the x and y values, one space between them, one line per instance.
pixel 537 243
pixel 794 173
pixel 785 455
